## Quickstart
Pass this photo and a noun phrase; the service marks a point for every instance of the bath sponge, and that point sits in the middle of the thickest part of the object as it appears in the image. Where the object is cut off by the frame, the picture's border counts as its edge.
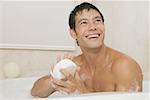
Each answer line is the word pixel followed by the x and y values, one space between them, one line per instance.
pixel 68 65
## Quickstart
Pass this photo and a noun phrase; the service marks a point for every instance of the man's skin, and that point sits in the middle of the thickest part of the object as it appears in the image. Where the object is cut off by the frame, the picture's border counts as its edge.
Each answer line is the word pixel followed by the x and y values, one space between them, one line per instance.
pixel 102 69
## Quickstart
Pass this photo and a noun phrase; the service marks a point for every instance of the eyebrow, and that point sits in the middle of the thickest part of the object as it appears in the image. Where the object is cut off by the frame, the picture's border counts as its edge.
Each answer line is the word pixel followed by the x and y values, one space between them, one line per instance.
pixel 98 17
pixel 84 19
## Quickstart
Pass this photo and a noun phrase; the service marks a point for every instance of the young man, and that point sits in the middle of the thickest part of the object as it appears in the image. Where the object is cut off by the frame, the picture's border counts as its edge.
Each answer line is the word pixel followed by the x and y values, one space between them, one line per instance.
pixel 102 69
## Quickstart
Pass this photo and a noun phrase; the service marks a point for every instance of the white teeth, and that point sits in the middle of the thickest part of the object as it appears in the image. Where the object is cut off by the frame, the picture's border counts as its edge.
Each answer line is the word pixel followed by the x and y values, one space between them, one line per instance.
pixel 93 36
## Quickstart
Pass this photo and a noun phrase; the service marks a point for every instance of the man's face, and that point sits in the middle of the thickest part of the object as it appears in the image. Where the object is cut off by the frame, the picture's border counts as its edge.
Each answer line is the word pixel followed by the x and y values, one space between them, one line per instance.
pixel 89 29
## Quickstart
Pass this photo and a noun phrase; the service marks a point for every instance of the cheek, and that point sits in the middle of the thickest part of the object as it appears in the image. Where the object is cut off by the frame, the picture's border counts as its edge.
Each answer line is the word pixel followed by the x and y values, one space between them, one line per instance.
pixel 79 32
pixel 101 28
pixel 82 30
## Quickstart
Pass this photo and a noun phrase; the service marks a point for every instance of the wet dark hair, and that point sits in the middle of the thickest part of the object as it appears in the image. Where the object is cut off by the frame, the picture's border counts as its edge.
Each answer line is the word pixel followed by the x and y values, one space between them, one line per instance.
pixel 81 7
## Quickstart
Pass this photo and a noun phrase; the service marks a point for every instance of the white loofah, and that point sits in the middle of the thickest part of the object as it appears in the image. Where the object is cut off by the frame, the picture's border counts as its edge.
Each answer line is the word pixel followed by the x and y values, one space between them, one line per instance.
pixel 63 64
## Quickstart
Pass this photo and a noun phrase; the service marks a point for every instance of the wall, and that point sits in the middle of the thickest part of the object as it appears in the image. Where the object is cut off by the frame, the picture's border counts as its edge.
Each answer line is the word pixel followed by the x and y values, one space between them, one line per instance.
pixel 130 30
pixel 31 62
pixel 1 21
pixel 24 22
pixel 126 30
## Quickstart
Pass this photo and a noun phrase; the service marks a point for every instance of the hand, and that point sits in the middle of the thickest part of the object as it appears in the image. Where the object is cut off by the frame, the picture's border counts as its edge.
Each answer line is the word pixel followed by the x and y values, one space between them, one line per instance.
pixel 60 57
pixel 71 85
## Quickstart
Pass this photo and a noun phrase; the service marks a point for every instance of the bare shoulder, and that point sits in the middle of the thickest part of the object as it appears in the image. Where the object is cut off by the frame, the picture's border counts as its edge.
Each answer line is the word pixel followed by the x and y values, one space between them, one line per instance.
pixel 126 66
pixel 127 72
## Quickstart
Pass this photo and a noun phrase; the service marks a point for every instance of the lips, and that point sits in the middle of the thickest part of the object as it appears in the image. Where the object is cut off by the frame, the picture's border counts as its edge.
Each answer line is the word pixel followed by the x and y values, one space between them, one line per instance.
pixel 93 35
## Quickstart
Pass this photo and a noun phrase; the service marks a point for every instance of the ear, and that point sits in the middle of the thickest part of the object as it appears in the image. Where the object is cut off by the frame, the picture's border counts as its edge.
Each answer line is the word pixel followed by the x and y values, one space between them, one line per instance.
pixel 73 34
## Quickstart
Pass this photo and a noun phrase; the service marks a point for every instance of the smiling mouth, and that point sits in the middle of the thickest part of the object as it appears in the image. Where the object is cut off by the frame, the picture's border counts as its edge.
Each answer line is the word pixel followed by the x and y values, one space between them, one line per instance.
pixel 93 36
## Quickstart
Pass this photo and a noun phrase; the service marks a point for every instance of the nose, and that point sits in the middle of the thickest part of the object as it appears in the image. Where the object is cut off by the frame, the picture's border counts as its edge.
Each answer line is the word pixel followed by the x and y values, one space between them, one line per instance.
pixel 92 26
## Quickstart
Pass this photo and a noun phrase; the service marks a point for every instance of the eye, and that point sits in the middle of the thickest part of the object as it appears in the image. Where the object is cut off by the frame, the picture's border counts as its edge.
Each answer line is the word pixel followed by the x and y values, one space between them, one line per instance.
pixel 83 23
pixel 98 20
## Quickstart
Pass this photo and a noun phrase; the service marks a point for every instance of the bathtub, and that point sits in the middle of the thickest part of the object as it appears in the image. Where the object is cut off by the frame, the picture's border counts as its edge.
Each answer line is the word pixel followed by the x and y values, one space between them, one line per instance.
pixel 19 89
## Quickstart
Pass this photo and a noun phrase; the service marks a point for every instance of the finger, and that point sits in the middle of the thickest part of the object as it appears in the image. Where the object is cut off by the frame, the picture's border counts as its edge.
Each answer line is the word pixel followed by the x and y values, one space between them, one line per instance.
pixel 69 88
pixel 70 74
pixel 61 89
pixel 69 56
pixel 58 58
pixel 64 72
pixel 52 67
pixel 60 83
pixel 70 77
pixel 77 76
pixel 72 57
pixel 65 55
pixel 78 69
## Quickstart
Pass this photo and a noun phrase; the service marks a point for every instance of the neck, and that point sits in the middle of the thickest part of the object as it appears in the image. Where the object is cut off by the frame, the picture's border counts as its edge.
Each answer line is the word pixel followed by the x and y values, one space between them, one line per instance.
pixel 95 57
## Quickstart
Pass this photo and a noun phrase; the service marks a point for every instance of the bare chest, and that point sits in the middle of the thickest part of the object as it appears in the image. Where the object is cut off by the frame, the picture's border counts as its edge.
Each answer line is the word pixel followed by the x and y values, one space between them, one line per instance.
pixel 101 81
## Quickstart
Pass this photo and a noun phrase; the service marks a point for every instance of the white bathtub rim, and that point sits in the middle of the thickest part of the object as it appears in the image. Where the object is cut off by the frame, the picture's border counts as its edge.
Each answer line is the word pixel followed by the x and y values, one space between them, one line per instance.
pixel 90 96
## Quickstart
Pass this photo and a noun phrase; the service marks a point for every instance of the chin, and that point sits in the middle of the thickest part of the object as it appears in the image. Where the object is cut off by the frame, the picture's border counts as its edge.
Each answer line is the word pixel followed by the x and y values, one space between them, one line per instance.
pixel 94 46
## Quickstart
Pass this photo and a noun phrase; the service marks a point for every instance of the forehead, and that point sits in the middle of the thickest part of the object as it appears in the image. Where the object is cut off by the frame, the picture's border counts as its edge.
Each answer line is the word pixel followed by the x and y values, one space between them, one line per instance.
pixel 87 14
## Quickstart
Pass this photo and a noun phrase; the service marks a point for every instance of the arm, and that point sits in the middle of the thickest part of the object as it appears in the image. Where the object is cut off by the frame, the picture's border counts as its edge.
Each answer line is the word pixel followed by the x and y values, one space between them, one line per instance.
pixel 42 87
pixel 128 75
